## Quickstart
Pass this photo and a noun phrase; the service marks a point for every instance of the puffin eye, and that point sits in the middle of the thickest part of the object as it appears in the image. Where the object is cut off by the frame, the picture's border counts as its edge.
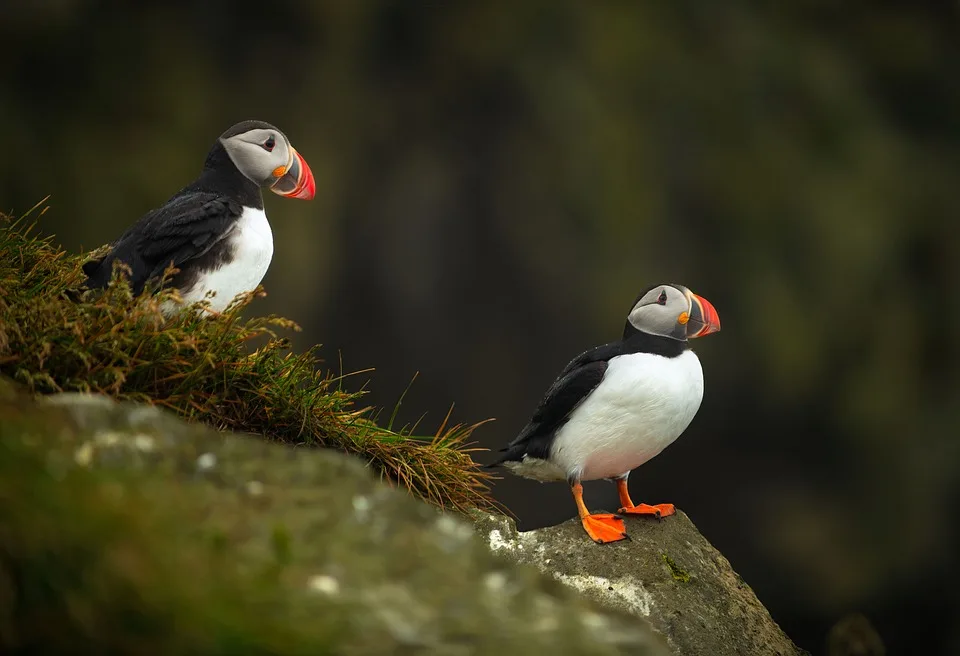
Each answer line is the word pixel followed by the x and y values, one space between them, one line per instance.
pixel 269 144
pixel 662 300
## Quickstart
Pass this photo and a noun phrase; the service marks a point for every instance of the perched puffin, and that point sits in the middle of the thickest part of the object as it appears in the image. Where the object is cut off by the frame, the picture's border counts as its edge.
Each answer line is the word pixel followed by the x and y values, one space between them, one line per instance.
pixel 616 406
pixel 214 230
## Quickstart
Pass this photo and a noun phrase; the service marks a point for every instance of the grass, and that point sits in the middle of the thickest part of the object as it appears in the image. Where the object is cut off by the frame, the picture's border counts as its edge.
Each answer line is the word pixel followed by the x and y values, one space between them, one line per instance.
pixel 229 372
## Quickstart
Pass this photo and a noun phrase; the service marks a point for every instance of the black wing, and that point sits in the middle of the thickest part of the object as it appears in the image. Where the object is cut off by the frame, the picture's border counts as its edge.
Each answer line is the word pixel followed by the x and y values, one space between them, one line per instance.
pixel 187 227
pixel 580 377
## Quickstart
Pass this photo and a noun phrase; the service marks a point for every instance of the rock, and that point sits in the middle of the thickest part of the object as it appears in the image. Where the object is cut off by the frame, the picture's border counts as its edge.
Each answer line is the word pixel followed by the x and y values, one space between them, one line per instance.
pixel 124 529
pixel 667 573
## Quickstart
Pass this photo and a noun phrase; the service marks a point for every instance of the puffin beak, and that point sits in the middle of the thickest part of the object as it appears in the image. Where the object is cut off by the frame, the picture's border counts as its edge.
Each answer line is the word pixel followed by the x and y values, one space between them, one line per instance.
pixel 703 317
pixel 296 181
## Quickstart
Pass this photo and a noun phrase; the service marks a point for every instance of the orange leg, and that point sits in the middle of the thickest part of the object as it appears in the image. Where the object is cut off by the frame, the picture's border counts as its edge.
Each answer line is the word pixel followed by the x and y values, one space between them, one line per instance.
pixel 658 511
pixel 602 527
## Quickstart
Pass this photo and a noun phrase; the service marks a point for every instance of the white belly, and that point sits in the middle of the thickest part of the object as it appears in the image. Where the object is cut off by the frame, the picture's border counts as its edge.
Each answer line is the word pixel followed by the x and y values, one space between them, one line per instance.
pixel 252 244
pixel 642 405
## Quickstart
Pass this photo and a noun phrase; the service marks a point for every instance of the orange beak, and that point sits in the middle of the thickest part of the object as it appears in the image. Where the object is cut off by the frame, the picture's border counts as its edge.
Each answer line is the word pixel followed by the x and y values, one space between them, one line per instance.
pixel 703 317
pixel 297 181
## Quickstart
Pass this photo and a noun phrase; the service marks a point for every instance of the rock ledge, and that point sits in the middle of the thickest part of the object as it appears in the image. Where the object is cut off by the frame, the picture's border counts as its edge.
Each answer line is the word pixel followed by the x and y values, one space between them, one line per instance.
pixel 668 574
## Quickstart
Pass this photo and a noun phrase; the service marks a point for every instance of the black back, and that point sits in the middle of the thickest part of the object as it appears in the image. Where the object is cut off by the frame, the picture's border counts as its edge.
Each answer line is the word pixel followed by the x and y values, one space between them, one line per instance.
pixel 578 379
pixel 187 232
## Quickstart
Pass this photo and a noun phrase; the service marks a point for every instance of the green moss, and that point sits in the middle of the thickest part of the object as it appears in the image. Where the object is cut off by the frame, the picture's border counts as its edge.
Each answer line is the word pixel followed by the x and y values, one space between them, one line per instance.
pixel 92 564
pixel 115 540
pixel 676 571
pixel 229 372
pixel 280 541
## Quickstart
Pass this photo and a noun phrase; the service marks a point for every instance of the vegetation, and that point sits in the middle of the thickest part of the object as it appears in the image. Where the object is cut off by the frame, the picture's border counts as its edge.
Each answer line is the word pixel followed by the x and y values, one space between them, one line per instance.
pixel 114 539
pixel 84 569
pixel 495 181
pixel 677 572
pixel 229 372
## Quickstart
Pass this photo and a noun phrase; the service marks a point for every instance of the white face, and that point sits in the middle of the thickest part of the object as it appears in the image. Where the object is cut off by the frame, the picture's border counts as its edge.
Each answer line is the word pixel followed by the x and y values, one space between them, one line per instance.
pixel 263 155
pixel 664 311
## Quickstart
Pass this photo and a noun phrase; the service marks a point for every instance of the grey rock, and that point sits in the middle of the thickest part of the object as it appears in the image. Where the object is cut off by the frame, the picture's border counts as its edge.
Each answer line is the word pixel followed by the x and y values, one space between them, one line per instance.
pixel 348 561
pixel 668 574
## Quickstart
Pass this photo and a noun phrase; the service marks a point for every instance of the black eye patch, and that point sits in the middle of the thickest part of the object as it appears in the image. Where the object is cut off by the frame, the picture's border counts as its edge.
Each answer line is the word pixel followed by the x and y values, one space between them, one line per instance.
pixel 662 300
pixel 269 144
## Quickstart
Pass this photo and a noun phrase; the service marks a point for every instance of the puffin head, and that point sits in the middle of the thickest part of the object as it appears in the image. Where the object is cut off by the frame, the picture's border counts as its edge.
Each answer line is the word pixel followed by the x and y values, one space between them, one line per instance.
pixel 672 311
pixel 263 154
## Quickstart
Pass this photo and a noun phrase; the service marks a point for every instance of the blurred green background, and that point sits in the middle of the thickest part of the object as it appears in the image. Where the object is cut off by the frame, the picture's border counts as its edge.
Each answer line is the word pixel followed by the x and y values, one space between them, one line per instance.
pixel 497 180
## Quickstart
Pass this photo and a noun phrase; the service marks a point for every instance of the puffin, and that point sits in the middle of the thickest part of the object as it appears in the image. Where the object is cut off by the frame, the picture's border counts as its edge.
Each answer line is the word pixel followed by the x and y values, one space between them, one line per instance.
pixel 214 230
pixel 616 406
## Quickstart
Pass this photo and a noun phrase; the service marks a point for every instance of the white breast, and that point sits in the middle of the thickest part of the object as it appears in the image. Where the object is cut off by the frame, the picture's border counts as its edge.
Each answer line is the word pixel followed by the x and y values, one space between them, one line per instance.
pixel 252 244
pixel 642 405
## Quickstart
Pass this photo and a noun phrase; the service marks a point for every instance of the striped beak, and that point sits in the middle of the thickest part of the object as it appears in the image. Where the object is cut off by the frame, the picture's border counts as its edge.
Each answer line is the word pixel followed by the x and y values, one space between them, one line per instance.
pixel 297 181
pixel 703 317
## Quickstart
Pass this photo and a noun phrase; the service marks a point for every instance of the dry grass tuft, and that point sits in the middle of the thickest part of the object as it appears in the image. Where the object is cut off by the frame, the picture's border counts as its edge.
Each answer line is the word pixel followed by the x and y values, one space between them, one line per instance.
pixel 232 373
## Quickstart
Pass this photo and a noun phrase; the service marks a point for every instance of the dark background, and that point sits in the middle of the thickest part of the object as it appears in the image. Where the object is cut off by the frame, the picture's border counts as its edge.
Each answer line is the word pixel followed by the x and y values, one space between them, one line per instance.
pixel 497 180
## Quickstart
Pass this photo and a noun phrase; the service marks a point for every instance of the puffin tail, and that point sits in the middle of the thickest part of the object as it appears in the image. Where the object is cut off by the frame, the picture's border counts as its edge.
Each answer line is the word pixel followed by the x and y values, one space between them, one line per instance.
pixel 94 271
pixel 90 268
pixel 73 295
pixel 508 455
pixel 494 465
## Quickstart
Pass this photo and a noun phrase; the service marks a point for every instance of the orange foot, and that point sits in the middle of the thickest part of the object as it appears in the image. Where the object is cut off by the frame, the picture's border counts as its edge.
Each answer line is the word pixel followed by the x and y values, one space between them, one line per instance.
pixel 603 528
pixel 658 511
pixel 629 508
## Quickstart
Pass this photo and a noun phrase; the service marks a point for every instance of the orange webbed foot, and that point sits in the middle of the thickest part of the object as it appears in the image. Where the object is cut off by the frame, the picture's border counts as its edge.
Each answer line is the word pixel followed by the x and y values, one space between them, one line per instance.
pixel 604 527
pixel 601 527
pixel 629 508
pixel 659 511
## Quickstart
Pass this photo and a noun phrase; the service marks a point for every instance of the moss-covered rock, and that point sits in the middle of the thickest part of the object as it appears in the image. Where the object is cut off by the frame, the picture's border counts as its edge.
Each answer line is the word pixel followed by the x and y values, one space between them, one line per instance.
pixel 126 530
pixel 668 573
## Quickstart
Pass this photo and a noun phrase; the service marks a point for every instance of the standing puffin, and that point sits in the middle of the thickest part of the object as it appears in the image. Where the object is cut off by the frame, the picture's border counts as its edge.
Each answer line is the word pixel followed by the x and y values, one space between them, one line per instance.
pixel 616 406
pixel 214 230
